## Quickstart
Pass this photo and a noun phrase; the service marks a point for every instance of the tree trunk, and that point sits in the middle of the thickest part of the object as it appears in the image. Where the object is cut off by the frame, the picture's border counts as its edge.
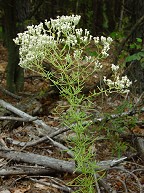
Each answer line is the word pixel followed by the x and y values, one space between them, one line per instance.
pixel 14 75
pixel 15 13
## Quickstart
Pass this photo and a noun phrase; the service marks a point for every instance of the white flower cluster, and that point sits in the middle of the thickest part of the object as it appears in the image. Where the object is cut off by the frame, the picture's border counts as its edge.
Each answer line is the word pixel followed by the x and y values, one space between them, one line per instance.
pixel 114 68
pixel 64 28
pixel 63 24
pixel 33 44
pixel 121 84
pixel 43 41
pixel 36 42
pixel 98 65
pixel 77 54
pixel 105 42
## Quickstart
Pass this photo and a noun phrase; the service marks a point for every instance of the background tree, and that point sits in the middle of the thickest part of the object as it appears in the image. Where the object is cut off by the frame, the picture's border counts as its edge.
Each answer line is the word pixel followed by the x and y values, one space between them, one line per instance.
pixel 14 15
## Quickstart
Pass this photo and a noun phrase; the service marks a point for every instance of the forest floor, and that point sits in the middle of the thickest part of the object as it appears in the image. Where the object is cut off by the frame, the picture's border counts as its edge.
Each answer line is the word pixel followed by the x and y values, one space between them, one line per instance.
pixel 116 139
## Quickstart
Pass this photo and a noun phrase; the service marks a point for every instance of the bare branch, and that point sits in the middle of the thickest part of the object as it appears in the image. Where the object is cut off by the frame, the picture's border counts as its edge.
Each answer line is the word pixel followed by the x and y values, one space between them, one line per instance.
pixel 17 118
pixel 22 114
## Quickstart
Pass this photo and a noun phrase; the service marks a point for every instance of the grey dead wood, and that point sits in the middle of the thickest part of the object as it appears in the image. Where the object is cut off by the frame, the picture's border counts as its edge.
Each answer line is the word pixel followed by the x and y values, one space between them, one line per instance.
pixel 17 119
pixel 54 143
pixel 22 114
pixel 54 185
pixel 7 171
pixel 48 162
pixel 53 164
pixel 37 141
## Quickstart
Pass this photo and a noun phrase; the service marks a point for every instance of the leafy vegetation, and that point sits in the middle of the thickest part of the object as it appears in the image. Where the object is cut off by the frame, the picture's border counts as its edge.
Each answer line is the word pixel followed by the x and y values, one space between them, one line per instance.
pixel 139 55
pixel 63 45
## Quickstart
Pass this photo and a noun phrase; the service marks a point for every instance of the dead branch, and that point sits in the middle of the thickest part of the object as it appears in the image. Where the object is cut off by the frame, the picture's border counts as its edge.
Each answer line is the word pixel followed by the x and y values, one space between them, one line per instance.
pixel 54 185
pixel 48 162
pixel 104 184
pixel 9 93
pixel 96 183
pixel 7 171
pixel 38 141
pixel 17 119
pixel 114 116
pixel 22 114
pixel 43 139
pixel 54 143
pixel 52 164
pixel 61 146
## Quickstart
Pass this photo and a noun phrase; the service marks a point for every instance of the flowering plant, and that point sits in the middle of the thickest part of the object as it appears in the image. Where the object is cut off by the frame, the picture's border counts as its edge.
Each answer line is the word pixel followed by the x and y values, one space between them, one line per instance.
pixel 62 45
pixel 59 42
pixel 121 84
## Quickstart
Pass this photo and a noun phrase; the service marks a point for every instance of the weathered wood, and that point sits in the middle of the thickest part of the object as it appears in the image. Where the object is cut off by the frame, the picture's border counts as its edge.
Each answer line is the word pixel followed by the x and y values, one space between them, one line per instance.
pixel 8 171
pixel 22 114
pixel 16 119
pixel 48 162
pixel 36 141
pixel 53 163
pixel 48 139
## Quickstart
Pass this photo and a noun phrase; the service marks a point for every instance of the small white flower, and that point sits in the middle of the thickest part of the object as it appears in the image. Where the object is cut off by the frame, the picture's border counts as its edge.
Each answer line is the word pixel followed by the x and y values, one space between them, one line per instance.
pixel 68 58
pixel 96 40
pixel 98 65
pixel 114 67
pixel 121 85
pixel 104 53
pixel 103 39
pixel 77 54
pixel 109 40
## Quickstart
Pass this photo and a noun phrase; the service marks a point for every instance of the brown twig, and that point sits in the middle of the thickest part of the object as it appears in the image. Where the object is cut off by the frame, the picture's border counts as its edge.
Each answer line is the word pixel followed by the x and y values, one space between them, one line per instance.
pixel 38 141
pixel 59 187
pixel 130 173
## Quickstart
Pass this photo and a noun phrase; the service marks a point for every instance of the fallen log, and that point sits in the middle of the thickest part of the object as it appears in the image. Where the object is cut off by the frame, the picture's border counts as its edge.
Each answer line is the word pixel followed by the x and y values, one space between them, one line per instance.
pixel 48 162
pixel 53 163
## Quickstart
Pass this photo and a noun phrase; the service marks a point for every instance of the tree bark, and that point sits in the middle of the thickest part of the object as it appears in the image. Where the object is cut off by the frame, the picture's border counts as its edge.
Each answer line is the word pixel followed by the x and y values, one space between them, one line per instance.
pixel 15 12
pixel 14 76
